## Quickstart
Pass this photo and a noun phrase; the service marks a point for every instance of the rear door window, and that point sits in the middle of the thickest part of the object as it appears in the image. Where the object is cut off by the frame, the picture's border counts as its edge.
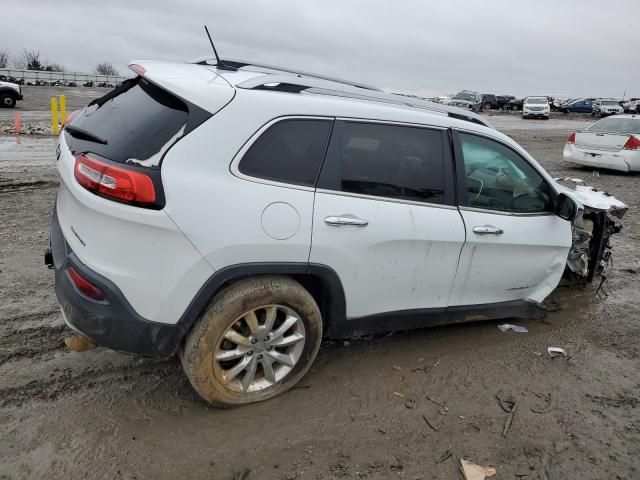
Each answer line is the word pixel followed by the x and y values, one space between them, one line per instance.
pixel 290 151
pixel 392 161
pixel 135 123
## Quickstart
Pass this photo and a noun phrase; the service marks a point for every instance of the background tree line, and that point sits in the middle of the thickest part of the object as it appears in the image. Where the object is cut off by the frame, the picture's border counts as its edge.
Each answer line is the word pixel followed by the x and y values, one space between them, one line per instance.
pixel 32 60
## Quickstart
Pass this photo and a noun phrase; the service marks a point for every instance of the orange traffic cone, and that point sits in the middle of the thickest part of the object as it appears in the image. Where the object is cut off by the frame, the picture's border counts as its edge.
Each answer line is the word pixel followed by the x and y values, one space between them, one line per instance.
pixel 17 127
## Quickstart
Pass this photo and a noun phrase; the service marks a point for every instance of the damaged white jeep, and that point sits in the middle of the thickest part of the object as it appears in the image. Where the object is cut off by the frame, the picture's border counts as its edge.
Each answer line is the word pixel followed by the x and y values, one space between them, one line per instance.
pixel 237 214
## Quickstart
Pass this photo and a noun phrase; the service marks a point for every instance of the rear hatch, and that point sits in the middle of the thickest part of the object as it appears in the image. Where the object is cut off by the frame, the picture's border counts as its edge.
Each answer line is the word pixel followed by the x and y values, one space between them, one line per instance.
pixel 110 202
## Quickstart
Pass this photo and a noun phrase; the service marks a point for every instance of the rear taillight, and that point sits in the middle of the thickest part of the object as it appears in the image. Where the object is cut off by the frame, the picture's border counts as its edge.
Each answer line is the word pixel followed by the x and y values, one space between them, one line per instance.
pixel 85 287
pixel 116 182
pixel 632 144
pixel 70 116
pixel 571 138
pixel 138 69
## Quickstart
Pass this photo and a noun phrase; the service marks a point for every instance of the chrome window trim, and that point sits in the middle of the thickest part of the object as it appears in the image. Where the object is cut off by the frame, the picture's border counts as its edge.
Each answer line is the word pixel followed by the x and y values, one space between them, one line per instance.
pixel 509 214
pixel 235 162
pixel 393 122
pixel 385 199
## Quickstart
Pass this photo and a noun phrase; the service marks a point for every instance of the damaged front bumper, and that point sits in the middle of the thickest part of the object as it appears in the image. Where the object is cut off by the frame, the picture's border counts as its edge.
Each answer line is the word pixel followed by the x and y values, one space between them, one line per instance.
pixel 599 218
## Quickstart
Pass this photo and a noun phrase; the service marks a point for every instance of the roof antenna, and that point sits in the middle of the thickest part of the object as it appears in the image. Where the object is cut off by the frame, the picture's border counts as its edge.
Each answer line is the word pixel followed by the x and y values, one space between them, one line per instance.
pixel 219 63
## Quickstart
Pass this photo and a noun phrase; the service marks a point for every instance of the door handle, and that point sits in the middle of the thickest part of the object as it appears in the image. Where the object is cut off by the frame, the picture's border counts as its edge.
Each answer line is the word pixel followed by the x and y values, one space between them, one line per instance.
pixel 341 220
pixel 487 230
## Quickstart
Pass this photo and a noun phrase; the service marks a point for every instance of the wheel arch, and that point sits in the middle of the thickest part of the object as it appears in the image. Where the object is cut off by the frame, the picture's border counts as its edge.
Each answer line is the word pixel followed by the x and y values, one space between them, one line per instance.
pixel 321 281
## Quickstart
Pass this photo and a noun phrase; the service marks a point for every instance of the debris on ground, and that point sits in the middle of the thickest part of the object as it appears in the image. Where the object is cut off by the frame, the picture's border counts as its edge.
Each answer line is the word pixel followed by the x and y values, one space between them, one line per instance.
pixel 508 421
pixel 397 368
pixel 472 471
pixel 27 129
pixel 398 394
pixel 506 401
pixel 431 425
pixel 633 269
pixel 508 404
pixel 444 408
pixel 556 352
pixel 411 404
pixel 505 327
pixel 242 474
pixel 445 456
pixel 427 369
pixel 80 343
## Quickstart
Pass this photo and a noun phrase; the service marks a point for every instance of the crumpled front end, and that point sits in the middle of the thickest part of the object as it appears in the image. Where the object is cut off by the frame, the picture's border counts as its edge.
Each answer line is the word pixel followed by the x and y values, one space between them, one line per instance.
pixel 599 219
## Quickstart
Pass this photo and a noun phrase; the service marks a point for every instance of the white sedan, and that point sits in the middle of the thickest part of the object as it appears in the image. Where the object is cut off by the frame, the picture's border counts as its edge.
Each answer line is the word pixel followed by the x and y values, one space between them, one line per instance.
pixel 536 107
pixel 613 143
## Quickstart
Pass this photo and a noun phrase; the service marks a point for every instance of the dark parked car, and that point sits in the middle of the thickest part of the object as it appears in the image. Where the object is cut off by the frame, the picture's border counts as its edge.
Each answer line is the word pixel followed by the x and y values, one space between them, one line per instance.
pixel 489 101
pixel 582 105
pixel 514 104
pixel 503 101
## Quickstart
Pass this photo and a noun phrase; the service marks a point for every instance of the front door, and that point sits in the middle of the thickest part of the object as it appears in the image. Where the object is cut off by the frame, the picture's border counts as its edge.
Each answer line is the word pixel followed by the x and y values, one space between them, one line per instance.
pixel 516 248
pixel 385 219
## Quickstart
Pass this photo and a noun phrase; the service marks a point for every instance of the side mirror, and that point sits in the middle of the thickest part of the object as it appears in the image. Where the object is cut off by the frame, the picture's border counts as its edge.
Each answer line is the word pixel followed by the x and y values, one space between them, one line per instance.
pixel 566 207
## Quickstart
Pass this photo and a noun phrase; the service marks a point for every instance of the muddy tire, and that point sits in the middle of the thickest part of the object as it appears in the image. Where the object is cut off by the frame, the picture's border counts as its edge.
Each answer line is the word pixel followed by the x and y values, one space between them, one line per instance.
pixel 256 339
pixel 7 101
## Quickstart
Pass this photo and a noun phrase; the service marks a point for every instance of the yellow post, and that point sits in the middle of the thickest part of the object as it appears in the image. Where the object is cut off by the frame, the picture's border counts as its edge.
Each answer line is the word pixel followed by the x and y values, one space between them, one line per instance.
pixel 54 116
pixel 63 109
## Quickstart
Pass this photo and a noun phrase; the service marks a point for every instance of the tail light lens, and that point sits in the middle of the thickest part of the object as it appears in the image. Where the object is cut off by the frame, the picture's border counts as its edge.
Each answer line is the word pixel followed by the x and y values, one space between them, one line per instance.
pixel 85 286
pixel 70 116
pixel 632 144
pixel 571 138
pixel 126 185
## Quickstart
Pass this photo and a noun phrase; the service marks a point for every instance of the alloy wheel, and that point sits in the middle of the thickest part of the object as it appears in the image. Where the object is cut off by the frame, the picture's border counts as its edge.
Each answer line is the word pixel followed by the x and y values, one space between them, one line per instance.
pixel 259 348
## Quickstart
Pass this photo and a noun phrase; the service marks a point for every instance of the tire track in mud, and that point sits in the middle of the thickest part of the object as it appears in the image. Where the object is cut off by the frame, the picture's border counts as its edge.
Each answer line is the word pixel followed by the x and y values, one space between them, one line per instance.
pixel 14 187
pixel 31 342
pixel 67 383
pixel 18 340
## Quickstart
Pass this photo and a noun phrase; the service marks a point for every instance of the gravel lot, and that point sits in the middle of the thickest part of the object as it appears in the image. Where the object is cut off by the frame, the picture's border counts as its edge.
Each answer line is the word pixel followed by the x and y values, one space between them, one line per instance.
pixel 103 414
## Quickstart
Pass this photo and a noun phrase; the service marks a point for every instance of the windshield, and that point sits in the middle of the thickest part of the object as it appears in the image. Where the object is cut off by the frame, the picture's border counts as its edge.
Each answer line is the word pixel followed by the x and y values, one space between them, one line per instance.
pixel 537 100
pixel 609 102
pixel 465 96
pixel 616 125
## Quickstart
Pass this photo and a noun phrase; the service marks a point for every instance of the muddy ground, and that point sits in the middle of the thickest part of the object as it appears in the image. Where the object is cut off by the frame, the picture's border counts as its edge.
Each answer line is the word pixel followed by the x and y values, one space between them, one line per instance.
pixel 103 414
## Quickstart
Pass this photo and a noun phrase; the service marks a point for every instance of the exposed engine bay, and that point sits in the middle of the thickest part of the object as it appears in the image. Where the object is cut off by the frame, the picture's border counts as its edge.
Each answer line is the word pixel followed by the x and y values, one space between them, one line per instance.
pixel 600 218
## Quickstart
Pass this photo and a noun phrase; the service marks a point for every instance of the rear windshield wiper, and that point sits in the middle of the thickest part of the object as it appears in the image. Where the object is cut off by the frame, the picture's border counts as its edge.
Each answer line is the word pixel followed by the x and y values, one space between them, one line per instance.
pixel 83 134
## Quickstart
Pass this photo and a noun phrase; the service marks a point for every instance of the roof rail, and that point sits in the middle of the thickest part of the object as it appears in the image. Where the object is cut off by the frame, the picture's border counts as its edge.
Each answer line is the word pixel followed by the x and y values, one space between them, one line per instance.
pixel 210 60
pixel 314 85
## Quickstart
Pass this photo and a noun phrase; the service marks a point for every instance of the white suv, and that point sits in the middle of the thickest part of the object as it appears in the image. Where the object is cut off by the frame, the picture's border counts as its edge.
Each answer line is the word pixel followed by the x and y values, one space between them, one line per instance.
pixel 237 214
pixel 536 107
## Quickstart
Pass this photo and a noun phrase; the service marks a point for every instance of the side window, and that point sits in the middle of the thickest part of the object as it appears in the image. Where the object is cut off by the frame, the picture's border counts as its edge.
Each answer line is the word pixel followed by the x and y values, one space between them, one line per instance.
pixel 386 161
pixel 497 178
pixel 289 151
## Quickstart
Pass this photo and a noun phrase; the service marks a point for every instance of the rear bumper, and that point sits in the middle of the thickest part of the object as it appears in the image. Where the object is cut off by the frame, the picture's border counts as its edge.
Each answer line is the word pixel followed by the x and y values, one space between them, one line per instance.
pixel 112 322
pixel 611 161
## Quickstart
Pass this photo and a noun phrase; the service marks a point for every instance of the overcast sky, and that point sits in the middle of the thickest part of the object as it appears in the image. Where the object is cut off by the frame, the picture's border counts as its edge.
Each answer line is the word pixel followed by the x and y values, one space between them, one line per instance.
pixel 520 47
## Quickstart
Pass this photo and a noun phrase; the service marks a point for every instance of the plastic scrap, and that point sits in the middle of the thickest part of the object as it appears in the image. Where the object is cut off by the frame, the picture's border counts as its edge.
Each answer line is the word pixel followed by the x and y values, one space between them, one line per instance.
pixel 472 471
pixel 506 401
pixel 556 352
pixel 516 328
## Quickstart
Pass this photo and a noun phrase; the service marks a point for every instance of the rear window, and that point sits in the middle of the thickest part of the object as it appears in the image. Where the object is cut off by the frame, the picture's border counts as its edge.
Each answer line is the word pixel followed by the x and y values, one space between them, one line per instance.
pixel 616 125
pixel 135 123
pixel 290 151
pixel 390 161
